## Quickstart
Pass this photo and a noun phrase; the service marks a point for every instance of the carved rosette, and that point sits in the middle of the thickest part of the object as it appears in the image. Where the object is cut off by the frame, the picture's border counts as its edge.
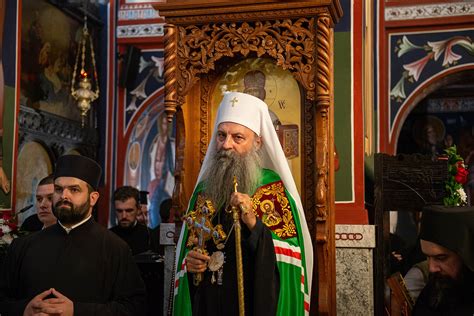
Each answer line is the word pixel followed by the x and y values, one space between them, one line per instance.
pixel 289 42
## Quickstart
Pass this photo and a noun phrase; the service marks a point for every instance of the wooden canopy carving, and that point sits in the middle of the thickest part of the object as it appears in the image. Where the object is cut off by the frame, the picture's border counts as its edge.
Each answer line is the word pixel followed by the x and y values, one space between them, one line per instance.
pixel 201 38
pixel 200 47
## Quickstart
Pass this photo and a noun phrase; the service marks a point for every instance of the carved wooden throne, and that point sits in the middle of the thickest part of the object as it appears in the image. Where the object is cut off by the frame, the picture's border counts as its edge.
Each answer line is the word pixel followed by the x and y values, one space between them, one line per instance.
pixel 403 183
pixel 204 39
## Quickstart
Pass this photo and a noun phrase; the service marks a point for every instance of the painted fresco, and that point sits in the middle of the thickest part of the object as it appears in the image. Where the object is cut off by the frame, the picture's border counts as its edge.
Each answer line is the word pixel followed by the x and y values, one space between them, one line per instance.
pixel 416 57
pixel 150 158
pixel 150 155
pixel 7 99
pixel 148 81
pixel 48 50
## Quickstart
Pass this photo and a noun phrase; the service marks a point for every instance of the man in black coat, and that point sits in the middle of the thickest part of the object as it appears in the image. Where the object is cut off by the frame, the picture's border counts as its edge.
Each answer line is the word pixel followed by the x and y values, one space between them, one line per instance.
pixel 75 267
pixel 447 239
pixel 127 206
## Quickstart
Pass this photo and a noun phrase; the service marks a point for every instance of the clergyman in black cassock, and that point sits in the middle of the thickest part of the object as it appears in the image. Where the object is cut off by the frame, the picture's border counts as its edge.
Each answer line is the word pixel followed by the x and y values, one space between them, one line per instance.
pixel 447 239
pixel 90 265
pixel 75 267
pixel 127 207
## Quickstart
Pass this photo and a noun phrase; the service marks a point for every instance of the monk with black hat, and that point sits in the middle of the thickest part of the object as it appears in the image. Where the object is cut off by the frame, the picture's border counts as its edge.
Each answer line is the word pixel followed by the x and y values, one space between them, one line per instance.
pixel 447 239
pixel 75 267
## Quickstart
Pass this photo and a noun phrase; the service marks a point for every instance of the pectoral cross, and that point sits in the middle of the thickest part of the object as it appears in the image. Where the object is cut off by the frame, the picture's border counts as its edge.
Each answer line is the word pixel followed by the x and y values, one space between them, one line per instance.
pixel 234 101
pixel 199 222
pixel 203 230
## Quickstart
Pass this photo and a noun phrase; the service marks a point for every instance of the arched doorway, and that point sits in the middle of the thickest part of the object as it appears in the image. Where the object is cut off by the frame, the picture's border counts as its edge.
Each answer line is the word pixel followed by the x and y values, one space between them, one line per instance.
pixel 439 116
pixel 446 104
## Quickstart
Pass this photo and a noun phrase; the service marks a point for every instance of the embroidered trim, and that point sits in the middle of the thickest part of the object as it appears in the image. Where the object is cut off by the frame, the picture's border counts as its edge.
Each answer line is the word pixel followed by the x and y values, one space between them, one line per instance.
pixel 271 205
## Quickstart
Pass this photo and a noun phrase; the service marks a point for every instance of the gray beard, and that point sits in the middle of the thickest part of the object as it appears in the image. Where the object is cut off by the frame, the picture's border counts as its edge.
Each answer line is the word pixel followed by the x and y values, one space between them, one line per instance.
pixel 223 166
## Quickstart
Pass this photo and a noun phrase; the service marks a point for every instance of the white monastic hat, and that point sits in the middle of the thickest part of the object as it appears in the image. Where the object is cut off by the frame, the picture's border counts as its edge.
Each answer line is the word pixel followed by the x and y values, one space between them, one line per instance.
pixel 243 109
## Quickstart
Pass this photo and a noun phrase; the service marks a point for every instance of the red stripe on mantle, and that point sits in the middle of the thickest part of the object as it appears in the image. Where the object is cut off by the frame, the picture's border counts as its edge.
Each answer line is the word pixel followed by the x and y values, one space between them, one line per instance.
pixel 287 252
pixel 306 306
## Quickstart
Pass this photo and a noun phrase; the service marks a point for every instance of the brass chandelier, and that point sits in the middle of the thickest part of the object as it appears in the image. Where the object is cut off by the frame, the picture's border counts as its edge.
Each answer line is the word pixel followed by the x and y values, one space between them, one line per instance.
pixel 83 92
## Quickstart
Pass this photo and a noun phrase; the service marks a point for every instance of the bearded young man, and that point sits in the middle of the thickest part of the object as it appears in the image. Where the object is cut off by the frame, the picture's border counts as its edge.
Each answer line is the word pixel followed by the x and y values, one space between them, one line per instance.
pixel 127 207
pixel 447 239
pixel 75 267
pixel 277 254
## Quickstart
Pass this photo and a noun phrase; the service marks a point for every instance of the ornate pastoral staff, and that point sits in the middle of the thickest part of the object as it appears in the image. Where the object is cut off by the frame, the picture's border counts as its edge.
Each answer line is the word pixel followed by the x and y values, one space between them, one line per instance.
pixel 238 255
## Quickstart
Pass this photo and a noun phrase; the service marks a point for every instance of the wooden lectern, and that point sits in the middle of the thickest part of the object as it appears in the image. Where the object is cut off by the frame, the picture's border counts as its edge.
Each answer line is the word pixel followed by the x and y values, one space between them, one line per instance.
pixel 282 52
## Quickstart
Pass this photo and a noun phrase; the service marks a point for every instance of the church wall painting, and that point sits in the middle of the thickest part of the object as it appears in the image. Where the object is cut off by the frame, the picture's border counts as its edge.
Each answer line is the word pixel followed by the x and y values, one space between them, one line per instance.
pixel 49 42
pixel 143 108
pixel 417 59
pixel 264 79
pixel 147 82
pixel 150 159
pixel 8 39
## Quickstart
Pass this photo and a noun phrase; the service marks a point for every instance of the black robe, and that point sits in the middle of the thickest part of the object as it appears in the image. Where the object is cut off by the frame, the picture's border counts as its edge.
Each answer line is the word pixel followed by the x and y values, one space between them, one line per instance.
pixel 90 265
pixel 137 237
pixel 261 277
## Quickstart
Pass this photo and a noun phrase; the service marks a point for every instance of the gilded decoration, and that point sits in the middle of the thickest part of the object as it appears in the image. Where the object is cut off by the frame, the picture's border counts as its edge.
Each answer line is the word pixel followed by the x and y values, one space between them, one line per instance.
pixel 272 206
pixel 289 42
pixel 199 222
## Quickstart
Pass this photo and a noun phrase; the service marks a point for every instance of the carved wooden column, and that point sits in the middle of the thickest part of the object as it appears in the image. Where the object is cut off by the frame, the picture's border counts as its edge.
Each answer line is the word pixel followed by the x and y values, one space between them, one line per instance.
pixel 325 226
pixel 171 73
